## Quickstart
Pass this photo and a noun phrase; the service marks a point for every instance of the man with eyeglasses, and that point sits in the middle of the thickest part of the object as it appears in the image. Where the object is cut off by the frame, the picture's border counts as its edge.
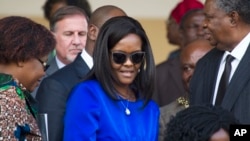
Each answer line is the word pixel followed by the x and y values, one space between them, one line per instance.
pixel 54 90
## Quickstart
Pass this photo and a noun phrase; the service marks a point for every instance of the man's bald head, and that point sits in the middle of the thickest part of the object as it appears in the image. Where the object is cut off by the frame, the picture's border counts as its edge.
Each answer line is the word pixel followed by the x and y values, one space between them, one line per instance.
pixel 104 13
pixel 190 55
pixel 97 19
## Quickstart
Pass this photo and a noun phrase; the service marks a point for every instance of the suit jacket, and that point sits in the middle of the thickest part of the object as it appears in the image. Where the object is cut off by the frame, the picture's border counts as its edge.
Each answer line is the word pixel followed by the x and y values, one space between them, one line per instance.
pixel 169 84
pixel 237 96
pixel 54 91
pixel 53 67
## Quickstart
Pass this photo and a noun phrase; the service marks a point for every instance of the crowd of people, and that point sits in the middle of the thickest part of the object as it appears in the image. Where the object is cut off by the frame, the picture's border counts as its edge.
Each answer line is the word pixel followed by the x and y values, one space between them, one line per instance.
pixel 97 81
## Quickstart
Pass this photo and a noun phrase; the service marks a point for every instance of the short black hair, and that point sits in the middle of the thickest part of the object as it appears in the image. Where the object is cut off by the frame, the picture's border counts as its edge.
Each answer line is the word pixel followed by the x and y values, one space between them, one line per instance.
pixel 198 123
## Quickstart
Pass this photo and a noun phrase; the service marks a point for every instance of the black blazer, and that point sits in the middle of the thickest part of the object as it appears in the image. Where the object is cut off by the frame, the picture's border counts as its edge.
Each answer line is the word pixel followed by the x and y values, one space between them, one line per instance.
pixel 237 97
pixel 54 91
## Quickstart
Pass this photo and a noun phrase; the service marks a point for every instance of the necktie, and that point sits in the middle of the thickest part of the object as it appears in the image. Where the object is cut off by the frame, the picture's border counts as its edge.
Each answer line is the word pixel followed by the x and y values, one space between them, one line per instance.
pixel 224 80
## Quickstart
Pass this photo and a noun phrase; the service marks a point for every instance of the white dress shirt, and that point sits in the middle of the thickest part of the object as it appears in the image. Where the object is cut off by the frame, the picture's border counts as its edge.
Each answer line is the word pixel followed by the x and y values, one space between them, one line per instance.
pixel 238 52
pixel 87 58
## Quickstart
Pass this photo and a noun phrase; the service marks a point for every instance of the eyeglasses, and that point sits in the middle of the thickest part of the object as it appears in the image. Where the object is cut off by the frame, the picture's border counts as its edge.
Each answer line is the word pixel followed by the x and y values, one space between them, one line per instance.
pixel 135 57
pixel 44 64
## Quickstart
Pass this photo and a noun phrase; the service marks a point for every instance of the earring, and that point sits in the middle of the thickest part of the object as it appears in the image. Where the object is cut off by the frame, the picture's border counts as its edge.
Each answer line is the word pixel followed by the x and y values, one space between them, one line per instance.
pixel 139 70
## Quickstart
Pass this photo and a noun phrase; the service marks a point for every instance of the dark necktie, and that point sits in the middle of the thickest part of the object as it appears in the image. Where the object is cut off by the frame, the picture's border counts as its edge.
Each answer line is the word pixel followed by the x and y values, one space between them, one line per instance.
pixel 224 80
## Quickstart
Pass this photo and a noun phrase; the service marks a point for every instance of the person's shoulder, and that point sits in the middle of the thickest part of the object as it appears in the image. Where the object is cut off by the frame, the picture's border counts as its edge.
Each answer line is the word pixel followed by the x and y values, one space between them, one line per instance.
pixel 63 73
pixel 90 84
pixel 211 55
pixel 154 105
pixel 172 107
pixel 5 79
pixel 168 65
pixel 162 66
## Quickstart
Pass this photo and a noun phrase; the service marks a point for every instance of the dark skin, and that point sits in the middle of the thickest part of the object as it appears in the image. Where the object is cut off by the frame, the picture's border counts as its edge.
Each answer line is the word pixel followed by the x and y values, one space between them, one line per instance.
pixel 192 28
pixel 190 55
pixel 172 35
pixel 227 29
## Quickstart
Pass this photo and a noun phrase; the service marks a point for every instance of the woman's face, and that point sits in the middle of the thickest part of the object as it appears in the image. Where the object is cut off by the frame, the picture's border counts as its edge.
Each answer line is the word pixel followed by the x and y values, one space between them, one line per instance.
pixel 31 72
pixel 126 57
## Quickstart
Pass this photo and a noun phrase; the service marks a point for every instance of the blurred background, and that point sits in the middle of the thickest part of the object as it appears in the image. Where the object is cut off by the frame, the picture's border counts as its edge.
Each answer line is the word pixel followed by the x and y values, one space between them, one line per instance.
pixel 152 14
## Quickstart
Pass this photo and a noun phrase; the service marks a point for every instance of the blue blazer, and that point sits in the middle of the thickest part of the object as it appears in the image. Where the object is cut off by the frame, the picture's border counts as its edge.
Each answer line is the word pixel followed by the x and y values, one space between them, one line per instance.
pixel 237 97
pixel 53 93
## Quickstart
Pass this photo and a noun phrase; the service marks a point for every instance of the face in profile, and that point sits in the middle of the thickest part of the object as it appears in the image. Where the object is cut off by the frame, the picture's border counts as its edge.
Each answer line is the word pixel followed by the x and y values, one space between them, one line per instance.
pixel 70 34
pixel 192 28
pixel 218 23
pixel 126 57
pixel 31 72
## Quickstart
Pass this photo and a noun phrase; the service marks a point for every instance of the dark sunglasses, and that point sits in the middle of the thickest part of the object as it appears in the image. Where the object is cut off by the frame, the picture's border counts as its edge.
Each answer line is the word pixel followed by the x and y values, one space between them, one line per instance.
pixel 44 64
pixel 135 57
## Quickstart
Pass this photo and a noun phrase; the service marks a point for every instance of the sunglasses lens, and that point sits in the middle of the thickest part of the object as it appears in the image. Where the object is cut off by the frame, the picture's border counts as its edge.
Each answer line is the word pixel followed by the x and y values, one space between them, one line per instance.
pixel 119 58
pixel 137 57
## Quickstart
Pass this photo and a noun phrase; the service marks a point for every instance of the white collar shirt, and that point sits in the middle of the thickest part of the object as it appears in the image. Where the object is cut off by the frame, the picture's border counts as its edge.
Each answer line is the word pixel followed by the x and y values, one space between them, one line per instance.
pixel 238 53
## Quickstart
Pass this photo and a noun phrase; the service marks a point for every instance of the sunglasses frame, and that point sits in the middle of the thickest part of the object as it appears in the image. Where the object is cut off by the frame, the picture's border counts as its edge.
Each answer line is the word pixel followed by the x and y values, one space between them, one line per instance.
pixel 44 64
pixel 128 55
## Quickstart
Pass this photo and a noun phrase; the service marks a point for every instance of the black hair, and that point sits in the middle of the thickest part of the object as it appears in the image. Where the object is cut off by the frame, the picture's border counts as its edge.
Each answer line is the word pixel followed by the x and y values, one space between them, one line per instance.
pixel 198 123
pixel 84 4
pixel 110 34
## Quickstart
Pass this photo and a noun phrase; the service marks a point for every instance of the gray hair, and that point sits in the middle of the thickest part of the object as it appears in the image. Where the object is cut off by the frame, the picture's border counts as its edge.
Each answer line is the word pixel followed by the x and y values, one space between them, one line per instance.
pixel 242 7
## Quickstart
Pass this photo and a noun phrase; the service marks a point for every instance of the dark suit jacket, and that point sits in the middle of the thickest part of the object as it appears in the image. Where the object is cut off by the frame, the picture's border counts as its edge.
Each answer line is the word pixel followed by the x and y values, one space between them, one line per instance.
pixel 53 93
pixel 169 84
pixel 237 96
pixel 53 67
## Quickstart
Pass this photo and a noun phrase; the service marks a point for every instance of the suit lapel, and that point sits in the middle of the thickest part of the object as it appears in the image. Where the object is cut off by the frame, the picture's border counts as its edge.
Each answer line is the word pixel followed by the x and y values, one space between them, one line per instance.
pixel 212 66
pixel 238 81
pixel 52 68
pixel 81 68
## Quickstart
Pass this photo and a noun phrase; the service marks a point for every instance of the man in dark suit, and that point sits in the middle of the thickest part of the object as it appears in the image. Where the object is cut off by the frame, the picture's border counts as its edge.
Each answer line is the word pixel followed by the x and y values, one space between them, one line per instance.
pixel 54 90
pixel 228 23
pixel 169 84
pixel 69 26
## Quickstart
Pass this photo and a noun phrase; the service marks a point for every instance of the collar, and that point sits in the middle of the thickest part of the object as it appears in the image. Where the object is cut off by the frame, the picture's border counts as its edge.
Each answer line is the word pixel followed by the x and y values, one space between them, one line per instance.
pixel 239 51
pixel 87 58
pixel 59 63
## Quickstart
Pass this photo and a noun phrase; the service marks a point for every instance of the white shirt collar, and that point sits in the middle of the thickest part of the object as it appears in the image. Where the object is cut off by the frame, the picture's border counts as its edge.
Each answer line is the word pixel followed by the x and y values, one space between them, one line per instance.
pixel 59 63
pixel 87 58
pixel 239 51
